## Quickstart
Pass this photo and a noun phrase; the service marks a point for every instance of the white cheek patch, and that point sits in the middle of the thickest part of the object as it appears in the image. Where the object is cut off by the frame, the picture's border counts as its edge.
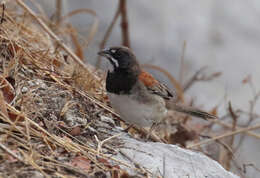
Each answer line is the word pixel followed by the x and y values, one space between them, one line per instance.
pixel 115 61
pixel 111 67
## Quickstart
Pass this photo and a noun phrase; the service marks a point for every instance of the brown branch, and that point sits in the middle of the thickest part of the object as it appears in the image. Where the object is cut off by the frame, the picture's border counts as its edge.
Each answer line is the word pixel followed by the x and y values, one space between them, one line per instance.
pixel 51 33
pixel 121 10
pixel 124 24
pixel 252 104
pixel 58 11
pixel 182 63
pixel 3 13
pixel 227 147
pixel 74 38
pixel 225 135
pixel 198 76
pixel 234 124
pixel 230 127
pixel 92 32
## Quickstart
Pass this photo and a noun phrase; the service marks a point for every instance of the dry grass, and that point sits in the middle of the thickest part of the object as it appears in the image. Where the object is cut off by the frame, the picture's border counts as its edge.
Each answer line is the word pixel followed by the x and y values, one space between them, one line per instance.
pixel 51 104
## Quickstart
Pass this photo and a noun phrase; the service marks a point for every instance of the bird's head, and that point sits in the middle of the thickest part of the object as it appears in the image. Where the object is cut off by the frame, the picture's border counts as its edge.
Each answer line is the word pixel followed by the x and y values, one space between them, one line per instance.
pixel 121 58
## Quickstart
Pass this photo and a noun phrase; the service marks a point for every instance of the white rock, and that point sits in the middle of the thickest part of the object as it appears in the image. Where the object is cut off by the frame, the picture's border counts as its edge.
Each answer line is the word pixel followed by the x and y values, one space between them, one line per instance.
pixel 179 162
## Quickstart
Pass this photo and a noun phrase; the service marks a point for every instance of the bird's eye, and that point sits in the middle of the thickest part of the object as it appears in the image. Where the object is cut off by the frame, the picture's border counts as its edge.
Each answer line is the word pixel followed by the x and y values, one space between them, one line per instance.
pixel 113 51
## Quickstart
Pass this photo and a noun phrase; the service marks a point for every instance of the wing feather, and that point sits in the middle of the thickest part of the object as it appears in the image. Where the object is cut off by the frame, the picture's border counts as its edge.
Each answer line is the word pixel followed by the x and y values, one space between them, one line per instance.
pixel 155 87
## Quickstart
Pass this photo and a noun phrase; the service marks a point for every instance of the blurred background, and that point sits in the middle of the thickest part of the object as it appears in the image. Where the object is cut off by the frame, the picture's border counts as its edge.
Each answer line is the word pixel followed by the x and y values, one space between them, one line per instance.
pixel 182 36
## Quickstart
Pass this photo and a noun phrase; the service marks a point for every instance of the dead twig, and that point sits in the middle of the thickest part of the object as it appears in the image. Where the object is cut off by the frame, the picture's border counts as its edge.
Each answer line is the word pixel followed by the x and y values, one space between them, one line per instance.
pixel 226 125
pixel 58 11
pixel 124 24
pixel 198 76
pixel 234 124
pixel 48 30
pixel 93 28
pixel 252 104
pixel 251 115
pixel 225 135
pixel 3 13
pixel 182 63
pixel 11 153
pixel 101 143
pixel 227 147
pixel 121 10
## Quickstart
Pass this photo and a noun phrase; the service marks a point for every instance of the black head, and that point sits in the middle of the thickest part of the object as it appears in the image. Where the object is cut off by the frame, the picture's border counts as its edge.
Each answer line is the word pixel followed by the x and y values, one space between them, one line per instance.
pixel 126 69
pixel 120 57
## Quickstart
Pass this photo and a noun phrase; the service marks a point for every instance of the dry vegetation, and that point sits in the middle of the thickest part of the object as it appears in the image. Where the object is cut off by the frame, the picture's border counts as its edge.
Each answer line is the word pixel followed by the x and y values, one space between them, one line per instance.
pixel 52 105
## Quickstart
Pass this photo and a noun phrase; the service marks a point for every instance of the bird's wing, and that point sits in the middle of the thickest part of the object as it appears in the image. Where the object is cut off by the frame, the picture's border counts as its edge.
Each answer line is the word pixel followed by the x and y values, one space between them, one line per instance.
pixel 155 87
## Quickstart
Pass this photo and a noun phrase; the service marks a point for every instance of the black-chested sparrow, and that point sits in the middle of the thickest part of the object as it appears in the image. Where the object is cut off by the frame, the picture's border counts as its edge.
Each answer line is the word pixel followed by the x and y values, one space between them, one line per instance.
pixel 136 95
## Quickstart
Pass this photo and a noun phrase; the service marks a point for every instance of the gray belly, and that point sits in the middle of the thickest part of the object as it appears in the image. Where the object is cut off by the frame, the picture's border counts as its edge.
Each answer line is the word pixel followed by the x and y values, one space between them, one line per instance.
pixel 135 112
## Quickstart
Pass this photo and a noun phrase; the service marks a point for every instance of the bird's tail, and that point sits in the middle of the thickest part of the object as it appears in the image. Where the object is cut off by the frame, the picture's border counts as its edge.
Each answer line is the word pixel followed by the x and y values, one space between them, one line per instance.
pixel 191 111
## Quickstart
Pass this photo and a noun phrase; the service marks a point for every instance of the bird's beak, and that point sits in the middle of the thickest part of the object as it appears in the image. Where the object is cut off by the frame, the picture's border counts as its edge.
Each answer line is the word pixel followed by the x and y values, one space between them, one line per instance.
pixel 107 54
pixel 104 53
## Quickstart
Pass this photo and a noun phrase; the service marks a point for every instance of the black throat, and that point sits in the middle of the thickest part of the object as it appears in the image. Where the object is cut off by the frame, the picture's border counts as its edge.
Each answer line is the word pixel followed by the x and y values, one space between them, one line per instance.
pixel 121 81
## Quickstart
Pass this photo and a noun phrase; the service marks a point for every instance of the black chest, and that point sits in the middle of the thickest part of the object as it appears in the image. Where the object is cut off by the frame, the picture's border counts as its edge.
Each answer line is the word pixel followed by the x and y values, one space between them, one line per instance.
pixel 120 82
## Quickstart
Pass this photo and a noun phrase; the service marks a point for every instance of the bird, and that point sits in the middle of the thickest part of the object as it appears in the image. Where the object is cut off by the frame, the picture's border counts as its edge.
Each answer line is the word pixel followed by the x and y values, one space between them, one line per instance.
pixel 136 95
